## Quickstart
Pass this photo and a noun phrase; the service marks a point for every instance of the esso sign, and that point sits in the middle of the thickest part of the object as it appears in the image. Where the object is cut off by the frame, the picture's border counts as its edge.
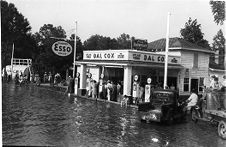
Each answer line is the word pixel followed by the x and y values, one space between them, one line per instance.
pixel 62 48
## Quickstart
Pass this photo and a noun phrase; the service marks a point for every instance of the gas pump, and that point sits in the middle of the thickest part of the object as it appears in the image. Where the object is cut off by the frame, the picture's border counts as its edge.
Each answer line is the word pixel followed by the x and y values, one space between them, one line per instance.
pixel 77 81
pixel 148 90
pixel 101 82
pixel 88 84
pixel 135 89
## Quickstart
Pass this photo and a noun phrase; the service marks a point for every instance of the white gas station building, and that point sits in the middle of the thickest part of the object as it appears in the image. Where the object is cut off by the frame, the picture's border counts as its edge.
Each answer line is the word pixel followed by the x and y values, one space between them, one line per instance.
pixel 188 65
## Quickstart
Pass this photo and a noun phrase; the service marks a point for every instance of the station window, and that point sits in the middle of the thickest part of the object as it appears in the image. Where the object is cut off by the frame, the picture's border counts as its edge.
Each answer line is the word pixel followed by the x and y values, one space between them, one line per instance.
pixel 201 83
pixel 195 62
pixel 186 84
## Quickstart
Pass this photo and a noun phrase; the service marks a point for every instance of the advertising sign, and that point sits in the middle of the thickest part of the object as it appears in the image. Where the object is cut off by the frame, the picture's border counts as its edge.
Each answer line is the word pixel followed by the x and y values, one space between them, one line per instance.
pixel 129 55
pixel 62 48
pixel 139 44
pixel 153 57
pixel 106 55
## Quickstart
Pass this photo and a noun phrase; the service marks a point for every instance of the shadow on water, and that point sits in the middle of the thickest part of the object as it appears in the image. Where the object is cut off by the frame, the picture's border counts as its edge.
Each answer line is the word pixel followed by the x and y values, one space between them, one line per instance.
pixel 37 116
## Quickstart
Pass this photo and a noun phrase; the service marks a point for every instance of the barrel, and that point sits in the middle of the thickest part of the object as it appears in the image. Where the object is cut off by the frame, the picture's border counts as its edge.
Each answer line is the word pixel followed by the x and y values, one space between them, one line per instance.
pixel 224 103
pixel 222 97
pixel 210 101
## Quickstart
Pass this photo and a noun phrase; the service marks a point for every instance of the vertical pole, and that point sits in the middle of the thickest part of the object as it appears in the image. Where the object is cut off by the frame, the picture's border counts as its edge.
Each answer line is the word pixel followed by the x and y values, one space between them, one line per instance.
pixel 166 52
pixel 12 61
pixel 74 49
pixel 131 42
pixel 103 69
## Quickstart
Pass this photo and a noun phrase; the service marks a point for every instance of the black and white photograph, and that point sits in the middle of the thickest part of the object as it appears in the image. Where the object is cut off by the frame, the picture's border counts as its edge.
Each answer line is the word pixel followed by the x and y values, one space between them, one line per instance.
pixel 113 73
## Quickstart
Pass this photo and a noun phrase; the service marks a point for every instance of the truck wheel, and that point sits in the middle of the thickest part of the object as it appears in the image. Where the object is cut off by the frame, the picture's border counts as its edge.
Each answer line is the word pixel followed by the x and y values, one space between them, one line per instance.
pixel 222 129
pixel 142 120
pixel 170 119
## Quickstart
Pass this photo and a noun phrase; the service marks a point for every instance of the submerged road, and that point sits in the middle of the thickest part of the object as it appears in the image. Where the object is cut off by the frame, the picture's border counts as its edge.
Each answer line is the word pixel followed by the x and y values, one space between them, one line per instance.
pixel 40 117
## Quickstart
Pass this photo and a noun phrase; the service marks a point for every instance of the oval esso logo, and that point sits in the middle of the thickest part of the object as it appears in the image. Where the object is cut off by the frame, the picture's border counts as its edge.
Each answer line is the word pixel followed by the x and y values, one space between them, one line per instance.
pixel 62 48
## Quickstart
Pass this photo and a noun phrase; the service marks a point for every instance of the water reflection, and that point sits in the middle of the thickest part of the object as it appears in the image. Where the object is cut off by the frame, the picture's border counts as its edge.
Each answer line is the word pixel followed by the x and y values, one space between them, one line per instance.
pixel 37 116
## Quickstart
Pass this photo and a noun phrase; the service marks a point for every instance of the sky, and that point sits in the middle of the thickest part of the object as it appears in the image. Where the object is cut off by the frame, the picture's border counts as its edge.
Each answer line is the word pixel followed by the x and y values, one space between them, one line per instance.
pixel 143 19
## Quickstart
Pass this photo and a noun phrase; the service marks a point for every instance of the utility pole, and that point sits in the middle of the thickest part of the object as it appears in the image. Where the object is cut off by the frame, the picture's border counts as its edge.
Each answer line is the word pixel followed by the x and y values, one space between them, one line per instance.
pixel 74 49
pixel 166 53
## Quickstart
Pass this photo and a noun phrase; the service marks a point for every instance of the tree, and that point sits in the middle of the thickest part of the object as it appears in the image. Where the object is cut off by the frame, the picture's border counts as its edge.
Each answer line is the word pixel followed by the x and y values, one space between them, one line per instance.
pixel 15 29
pixel 124 41
pixel 46 36
pixel 79 46
pixel 218 10
pixel 219 45
pixel 98 42
pixel 192 33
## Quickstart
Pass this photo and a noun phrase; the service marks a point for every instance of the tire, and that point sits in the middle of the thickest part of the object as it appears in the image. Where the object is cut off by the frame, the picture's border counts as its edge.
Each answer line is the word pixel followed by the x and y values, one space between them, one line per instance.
pixel 142 120
pixel 183 118
pixel 170 119
pixel 222 129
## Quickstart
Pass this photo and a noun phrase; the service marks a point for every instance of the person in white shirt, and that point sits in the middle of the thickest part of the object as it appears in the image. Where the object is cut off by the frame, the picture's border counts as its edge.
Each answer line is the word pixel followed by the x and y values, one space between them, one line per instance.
pixel 214 84
pixel 192 100
pixel 224 81
pixel 109 90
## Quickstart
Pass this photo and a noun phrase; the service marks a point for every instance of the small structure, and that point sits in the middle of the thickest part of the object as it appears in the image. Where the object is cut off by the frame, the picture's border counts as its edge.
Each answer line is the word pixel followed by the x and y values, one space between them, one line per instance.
pixel 18 65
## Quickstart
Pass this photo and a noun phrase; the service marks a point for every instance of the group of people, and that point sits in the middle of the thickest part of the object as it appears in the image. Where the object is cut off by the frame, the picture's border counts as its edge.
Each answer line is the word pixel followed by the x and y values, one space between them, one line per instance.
pixel 105 90
pixel 51 78
pixel 21 78
pixel 6 77
pixel 113 91
pixel 215 84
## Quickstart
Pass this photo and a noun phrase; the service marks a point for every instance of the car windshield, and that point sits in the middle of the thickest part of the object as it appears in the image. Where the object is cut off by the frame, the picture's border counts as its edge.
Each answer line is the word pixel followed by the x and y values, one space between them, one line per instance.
pixel 163 96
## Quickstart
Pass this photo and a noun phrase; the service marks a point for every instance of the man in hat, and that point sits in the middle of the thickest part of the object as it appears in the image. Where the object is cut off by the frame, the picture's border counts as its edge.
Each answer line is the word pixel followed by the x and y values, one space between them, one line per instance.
pixel 45 78
pixel 214 83
pixel 224 81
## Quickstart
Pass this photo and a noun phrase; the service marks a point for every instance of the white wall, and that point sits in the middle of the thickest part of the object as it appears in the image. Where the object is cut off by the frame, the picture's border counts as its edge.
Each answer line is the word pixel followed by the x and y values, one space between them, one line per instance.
pixel 187 58
pixel 95 71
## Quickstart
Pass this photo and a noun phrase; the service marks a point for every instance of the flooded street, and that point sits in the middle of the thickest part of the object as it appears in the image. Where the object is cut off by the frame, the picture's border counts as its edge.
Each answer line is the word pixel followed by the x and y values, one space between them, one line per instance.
pixel 37 116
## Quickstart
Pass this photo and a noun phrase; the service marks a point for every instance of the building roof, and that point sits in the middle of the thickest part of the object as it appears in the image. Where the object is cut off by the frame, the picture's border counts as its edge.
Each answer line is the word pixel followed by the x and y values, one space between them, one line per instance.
pixel 175 43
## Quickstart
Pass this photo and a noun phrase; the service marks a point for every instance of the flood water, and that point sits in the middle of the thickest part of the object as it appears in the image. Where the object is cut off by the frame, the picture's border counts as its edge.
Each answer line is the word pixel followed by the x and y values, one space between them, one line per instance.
pixel 37 116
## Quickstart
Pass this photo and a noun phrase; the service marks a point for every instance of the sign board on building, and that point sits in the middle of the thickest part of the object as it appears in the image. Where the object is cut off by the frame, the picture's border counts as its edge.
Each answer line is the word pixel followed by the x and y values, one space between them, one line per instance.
pixel 130 55
pixel 105 55
pixel 153 57
pixel 62 48
pixel 139 44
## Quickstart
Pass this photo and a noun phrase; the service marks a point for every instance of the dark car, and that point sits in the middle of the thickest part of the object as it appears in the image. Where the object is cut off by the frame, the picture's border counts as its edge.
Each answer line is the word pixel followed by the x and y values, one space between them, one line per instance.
pixel 163 107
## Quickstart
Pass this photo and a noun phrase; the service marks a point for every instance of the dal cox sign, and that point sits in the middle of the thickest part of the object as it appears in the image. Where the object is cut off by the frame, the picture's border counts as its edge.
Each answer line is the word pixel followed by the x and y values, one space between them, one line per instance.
pixel 62 48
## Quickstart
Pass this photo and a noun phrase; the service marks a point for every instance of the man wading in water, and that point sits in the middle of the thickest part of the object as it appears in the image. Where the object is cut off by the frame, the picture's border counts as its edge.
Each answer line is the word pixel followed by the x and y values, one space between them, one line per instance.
pixel 69 86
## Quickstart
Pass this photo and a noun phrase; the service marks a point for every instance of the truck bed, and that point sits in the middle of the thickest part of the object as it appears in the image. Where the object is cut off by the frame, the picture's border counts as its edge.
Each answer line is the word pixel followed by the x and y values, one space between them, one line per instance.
pixel 220 113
